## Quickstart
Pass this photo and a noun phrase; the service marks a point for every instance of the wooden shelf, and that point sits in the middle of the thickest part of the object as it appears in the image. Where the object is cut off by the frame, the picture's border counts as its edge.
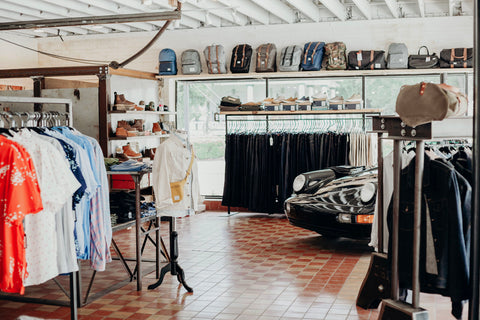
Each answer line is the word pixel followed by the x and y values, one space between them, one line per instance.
pixel 355 111
pixel 317 74
pixel 139 137
pixel 142 112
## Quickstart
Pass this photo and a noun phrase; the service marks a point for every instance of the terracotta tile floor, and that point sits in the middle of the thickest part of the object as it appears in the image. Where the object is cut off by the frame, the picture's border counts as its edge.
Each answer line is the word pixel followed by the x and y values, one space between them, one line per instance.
pixel 245 267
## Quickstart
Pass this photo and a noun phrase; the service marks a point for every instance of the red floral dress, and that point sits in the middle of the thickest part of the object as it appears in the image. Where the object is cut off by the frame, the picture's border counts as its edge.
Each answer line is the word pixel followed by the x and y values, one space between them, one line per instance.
pixel 19 196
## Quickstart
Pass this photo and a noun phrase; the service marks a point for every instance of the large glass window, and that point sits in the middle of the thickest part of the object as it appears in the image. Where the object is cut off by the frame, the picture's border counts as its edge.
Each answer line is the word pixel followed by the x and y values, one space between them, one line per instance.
pixel 197 103
pixel 381 91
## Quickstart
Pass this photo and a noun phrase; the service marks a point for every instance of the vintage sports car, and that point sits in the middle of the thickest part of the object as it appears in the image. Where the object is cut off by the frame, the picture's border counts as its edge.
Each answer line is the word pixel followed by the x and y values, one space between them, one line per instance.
pixel 335 202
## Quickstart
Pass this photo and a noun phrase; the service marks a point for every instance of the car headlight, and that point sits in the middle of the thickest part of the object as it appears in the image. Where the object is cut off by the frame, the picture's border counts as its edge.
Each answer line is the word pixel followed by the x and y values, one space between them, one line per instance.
pixel 368 192
pixel 299 183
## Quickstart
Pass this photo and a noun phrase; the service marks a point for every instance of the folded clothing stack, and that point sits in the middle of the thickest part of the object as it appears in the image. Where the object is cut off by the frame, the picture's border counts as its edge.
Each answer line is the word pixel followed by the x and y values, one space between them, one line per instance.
pixel 229 103
pixel 122 204
pixel 251 106
pixel 129 165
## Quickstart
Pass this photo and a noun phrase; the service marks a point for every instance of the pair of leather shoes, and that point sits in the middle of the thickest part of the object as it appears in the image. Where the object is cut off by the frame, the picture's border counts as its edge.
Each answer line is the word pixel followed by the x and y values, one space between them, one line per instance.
pixel 150 153
pixel 126 152
pixel 123 104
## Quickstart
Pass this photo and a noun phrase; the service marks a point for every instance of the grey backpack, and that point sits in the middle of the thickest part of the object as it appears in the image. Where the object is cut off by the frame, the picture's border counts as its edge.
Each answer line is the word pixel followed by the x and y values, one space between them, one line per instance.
pixel 191 62
pixel 215 57
pixel 266 58
pixel 290 58
pixel 397 56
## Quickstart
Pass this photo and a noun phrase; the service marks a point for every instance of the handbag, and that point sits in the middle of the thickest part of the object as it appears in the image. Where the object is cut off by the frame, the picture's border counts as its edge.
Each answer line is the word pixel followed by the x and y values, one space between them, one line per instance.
pixel 177 188
pixel 425 102
pixel 423 61
pixel 456 58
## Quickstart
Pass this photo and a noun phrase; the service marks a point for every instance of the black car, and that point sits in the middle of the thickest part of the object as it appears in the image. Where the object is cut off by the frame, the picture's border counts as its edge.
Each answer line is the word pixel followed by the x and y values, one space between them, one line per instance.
pixel 336 202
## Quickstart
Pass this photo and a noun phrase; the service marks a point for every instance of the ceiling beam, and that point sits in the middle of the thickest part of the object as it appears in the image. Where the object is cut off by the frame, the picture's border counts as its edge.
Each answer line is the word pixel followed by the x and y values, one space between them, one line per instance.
pixel 137 5
pixel 31 14
pixel 421 8
pixel 335 7
pixel 277 8
pixel 307 8
pixel 108 7
pixel 71 10
pixel 224 13
pixel 364 7
pixel 248 9
pixel 194 12
pixel 80 21
pixel 393 7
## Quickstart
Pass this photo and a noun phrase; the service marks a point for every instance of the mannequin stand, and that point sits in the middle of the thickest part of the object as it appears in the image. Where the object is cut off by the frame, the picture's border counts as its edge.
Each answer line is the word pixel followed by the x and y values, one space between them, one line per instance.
pixel 173 267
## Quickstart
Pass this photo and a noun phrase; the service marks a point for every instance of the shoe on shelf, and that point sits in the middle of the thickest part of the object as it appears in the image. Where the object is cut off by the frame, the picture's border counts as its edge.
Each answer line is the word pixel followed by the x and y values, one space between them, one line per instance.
pixel 120 155
pixel 124 124
pixel 130 153
pixel 122 103
pixel 132 133
pixel 121 132
pixel 355 98
pixel 138 124
pixel 157 129
pixel 150 153
pixel 336 100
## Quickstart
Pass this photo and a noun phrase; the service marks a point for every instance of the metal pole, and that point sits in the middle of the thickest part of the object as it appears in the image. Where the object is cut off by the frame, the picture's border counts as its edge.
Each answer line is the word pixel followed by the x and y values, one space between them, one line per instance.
pixel 138 223
pixel 397 164
pixel 473 312
pixel 380 193
pixel 417 220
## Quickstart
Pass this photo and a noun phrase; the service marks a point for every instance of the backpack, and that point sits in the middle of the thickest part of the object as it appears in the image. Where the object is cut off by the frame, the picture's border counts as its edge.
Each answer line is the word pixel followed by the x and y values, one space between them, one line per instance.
pixel 312 56
pixel 335 56
pixel 366 60
pixel 397 56
pixel 167 61
pixel 215 57
pixel 241 57
pixel 191 62
pixel 266 58
pixel 290 58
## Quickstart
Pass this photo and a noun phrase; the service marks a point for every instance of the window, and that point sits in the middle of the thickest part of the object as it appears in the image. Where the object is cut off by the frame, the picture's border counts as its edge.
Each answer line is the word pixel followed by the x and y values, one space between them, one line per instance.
pixel 197 103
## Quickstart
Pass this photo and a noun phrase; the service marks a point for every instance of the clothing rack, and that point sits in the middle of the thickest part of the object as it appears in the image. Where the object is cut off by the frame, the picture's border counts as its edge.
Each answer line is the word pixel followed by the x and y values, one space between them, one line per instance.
pixel 296 121
pixel 73 296
pixel 397 131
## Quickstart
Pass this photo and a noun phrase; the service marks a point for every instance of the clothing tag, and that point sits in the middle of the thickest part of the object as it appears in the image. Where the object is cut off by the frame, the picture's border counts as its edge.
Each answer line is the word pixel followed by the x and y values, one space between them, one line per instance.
pixel 192 69
pixel 378 65
pixel 169 69
pixel 176 198
pixel 427 59
pixel 359 56
pixel 263 62
pixel 271 141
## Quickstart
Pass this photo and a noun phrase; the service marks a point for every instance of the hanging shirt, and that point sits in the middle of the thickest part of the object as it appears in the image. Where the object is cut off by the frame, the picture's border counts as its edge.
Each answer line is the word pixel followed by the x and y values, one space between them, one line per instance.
pixel 57 185
pixel 20 196
pixel 172 159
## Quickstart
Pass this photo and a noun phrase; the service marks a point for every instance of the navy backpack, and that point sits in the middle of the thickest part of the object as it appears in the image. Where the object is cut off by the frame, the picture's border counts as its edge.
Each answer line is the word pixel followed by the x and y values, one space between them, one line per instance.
pixel 167 62
pixel 312 56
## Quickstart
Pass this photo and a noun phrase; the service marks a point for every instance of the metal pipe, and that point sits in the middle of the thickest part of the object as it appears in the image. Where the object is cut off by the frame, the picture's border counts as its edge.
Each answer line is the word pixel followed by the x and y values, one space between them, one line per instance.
pixel 417 220
pixel 397 164
pixel 380 199
pixel 138 224
pixel 473 306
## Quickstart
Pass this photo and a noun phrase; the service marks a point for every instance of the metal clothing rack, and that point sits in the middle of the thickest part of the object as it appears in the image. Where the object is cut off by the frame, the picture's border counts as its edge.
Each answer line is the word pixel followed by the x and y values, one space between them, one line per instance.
pixel 73 295
pixel 398 132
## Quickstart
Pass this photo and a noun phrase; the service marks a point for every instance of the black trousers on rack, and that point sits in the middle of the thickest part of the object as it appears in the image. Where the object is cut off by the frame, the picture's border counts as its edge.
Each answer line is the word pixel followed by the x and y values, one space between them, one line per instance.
pixel 260 168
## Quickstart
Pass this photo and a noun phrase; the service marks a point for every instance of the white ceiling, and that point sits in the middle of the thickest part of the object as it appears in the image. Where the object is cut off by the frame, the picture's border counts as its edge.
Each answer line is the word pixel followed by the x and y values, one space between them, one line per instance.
pixel 221 13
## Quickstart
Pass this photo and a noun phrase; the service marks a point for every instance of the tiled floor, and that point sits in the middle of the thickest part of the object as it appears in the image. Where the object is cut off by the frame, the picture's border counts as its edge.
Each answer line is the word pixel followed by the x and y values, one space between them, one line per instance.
pixel 244 267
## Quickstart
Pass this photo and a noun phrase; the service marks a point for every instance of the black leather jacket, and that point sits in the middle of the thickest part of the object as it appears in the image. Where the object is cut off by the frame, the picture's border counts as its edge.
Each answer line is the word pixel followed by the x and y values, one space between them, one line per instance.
pixel 445 238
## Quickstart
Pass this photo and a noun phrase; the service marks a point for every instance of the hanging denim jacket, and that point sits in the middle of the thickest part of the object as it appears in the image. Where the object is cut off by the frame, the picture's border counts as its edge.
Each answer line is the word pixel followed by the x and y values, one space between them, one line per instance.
pixel 445 231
